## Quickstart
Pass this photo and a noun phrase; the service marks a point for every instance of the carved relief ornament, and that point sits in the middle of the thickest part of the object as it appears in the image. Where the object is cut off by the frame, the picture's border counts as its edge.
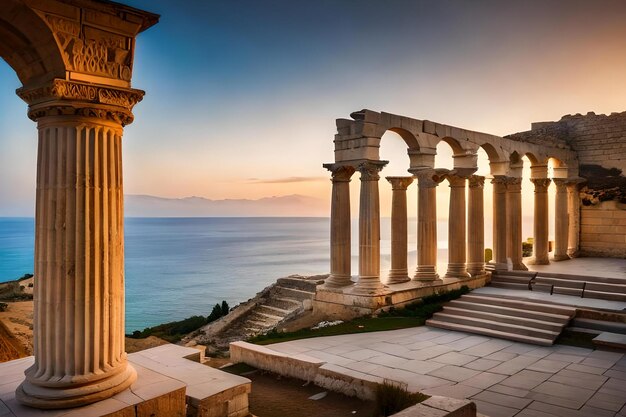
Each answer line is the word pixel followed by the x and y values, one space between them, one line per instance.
pixel 369 170
pixel 476 181
pixel 61 97
pixel 340 173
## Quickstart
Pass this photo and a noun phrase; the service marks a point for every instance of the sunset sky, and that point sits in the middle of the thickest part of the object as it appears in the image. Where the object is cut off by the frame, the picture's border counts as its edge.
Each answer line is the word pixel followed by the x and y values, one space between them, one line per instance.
pixel 242 94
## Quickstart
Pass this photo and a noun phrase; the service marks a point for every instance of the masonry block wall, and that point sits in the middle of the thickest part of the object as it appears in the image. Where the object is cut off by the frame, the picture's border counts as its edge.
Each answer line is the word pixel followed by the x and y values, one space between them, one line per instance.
pixel 600 143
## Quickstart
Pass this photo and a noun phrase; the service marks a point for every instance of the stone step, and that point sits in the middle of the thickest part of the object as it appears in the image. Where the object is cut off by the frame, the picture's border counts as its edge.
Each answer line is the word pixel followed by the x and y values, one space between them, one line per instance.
pixel 575 292
pixel 559 282
pixel 611 340
pixel 605 295
pixel 293 293
pixel 256 323
pixel 541 287
pixel 536 315
pixel 600 325
pixel 588 278
pixel 490 332
pixel 505 318
pixel 606 288
pixel 509 285
pixel 495 325
pixel 520 304
pixel 284 303
pixel 529 274
pixel 583 330
pixel 264 308
pixel 511 278
pixel 298 283
pixel 267 316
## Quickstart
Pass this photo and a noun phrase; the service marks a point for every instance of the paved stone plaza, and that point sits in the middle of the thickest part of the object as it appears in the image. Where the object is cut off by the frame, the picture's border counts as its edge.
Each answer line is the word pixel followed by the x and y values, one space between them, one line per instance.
pixel 503 378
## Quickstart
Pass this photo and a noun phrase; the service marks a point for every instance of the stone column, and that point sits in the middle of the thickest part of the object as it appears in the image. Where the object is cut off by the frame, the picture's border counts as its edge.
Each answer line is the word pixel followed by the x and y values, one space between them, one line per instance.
pixel 79 247
pixel 456 229
pixel 426 225
pixel 561 220
pixel 369 229
pixel 514 217
pixel 499 222
pixel 476 226
pixel 399 231
pixel 340 254
pixel 540 225
pixel 573 207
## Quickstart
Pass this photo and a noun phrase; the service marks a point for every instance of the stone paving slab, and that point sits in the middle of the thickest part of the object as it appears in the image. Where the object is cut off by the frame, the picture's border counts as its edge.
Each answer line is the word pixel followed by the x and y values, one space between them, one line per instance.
pixel 504 378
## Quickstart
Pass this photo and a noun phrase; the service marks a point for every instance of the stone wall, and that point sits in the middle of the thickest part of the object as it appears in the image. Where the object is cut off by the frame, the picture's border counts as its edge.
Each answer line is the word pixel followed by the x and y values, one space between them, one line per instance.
pixel 600 143
pixel 603 230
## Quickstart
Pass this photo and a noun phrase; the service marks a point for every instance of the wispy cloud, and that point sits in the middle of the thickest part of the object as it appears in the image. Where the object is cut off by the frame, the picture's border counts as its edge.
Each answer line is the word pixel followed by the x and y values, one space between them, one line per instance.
pixel 285 180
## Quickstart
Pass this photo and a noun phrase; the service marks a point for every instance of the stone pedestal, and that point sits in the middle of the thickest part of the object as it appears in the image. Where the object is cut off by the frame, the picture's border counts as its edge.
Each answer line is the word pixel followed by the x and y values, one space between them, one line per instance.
pixel 499 223
pixel 540 225
pixel 369 229
pixel 561 220
pixel 79 246
pixel 456 229
pixel 476 226
pixel 426 225
pixel 340 254
pixel 399 231
pixel 514 217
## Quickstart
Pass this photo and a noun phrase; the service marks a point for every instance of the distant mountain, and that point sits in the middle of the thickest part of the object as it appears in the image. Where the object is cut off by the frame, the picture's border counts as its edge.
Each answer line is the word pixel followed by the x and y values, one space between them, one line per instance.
pixel 283 206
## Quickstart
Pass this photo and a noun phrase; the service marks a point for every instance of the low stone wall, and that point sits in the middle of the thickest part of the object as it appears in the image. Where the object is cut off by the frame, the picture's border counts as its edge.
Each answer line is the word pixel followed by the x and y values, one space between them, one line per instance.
pixel 440 407
pixel 603 230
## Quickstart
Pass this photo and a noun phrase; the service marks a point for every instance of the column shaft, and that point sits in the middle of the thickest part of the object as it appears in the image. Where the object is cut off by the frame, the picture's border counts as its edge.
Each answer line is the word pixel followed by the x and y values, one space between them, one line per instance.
pixel 399 230
pixel 426 226
pixel 499 222
pixel 514 217
pixel 369 229
pixel 340 251
pixel 561 220
pixel 79 267
pixel 540 225
pixel 573 207
pixel 476 226
pixel 456 229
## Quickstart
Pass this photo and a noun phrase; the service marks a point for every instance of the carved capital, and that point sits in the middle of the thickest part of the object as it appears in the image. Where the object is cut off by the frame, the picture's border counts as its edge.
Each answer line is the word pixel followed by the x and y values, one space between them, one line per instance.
pixel 428 178
pixel 561 184
pixel 499 183
pixel 456 181
pixel 60 97
pixel 340 173
pixel 476 181
pixel 541 184
pixel 513 184
pixel 399 183
pixel 369 170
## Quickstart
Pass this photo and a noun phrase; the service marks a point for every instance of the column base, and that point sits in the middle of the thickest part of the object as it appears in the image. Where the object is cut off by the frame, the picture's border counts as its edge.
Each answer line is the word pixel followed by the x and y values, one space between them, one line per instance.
pixel 457 270
pixel 499 266
pixel 426 273
pixel 368 285
pixel 337 281
pixel 475 268
pixel 397 276
pixel 573 253
pixel 535 261
pixel 558 258
pixel 70 395
pixel 520 267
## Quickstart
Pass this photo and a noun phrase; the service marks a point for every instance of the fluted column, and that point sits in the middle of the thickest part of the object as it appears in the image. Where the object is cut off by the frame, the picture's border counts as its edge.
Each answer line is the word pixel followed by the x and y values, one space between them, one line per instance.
pixel 540 225
pixel 573 207
pixel 78 321
pixel 499 222
pixel 476 226
pixel 456 229
pixel 399 231
pixel 426 225
pixel 369 228
pixel 514 217
pixel 340 254
pixel 561 220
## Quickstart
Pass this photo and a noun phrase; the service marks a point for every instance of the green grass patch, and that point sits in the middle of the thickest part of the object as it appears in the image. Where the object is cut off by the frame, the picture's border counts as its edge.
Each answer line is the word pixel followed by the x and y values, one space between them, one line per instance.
pixel 412 315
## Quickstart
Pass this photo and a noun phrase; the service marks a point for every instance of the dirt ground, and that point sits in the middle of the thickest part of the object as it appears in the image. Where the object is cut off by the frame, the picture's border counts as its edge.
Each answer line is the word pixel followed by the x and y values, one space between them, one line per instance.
pixel 277 396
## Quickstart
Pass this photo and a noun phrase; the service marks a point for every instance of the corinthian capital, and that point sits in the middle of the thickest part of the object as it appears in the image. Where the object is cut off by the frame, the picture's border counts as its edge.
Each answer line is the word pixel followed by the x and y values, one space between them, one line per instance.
pixel 340 173
pixel 476 181
pixel 513 184
pixel 428 177
pixel 541 184
pixel 369 170
pixel 399 183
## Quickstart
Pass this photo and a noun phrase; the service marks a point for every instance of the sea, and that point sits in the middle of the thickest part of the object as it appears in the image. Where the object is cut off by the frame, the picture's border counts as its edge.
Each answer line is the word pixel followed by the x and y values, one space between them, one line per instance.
pixel 179 267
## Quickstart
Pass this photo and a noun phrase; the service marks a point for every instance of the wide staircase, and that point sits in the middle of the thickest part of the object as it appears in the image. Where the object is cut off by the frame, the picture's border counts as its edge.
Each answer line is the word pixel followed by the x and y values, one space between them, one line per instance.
pixel 510 318
pixel 605 288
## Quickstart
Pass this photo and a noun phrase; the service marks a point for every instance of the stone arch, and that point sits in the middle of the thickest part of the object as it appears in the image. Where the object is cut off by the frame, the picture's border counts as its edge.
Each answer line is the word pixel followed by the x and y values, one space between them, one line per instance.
pixel 28 45
pixel 409 138
pixel 457 149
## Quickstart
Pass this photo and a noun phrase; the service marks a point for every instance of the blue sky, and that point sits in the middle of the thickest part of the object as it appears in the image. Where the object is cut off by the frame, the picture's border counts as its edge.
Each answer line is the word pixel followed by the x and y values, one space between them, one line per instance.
pixel 242 95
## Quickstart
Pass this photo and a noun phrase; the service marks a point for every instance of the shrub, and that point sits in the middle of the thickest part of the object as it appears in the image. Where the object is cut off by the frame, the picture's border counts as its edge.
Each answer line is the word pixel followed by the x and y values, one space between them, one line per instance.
pixel 225 308
pixel 392 398
pixel 3 306
pixel 527 249
pixel 488 255
pixel 216 313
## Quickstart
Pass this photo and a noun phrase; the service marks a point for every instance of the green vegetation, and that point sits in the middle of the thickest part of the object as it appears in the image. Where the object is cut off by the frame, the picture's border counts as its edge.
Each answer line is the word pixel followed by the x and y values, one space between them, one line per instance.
pixel 176 330
pixel 412 315
pixel 527 249
pixel 488 254
pixel 392 398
